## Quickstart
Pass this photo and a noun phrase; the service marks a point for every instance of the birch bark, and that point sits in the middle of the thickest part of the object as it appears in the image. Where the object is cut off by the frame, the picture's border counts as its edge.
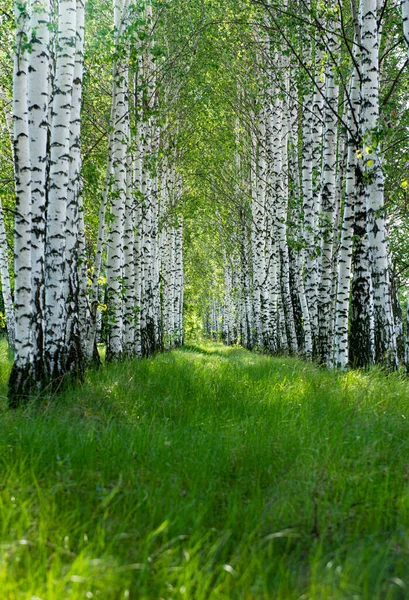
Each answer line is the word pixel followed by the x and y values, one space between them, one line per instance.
pixel 405 20
pixel 341 330
pixel 73 344
pixel 115 258
pixel 5 283
pixel 55 259
pixel 385 339
pixel 4 255
pixel 39 93
pixel 21 378
pixel 324 344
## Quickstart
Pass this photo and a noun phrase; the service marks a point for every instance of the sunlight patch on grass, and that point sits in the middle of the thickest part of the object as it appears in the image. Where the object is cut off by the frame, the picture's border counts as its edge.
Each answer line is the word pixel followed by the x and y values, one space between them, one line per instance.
pixel 208 473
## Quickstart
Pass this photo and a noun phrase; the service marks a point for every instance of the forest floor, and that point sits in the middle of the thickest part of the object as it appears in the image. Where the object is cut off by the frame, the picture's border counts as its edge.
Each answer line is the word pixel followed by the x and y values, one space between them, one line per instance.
pixel 207 473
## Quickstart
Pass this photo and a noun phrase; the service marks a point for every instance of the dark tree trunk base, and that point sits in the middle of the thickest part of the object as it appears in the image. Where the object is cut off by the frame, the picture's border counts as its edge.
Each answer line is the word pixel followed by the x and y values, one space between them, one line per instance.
pixel 33 380
pixel 21 386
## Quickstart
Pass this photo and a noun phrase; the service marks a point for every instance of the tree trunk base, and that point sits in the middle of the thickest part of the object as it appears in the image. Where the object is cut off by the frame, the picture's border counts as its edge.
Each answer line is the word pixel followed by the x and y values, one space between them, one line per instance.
pixel 21 385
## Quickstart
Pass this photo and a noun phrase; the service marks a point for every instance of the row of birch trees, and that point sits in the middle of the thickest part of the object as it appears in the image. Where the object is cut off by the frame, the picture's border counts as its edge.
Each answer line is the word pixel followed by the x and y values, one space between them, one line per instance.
pixel 252 153
pixel 310 269
pixel 133 279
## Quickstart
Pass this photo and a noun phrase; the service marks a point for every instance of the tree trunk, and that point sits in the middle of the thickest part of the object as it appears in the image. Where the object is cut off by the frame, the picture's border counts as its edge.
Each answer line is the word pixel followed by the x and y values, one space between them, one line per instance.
pixel 21 378
pixel 385 339
pixel 56 275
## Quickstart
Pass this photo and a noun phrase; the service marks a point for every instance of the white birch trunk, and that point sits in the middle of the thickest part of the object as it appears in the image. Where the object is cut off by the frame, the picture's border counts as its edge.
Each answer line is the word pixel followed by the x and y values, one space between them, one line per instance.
pixel 256 245
pixel 179 283
pixel 312 270
pixel 4 255
pixel 55 260
pixel 405 20
pixel 138 240
pixel 39 94
pixel 21 377
pixel 115 258
pixel 341 329
pixel 73 333
pixel 5 283
pixel 261 226
pixel 129 266
pixel 385 338
pixel 328 192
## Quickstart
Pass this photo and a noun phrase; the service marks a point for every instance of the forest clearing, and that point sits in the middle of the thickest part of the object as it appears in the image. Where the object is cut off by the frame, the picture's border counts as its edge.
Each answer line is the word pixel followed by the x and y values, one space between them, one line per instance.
pixel 218 474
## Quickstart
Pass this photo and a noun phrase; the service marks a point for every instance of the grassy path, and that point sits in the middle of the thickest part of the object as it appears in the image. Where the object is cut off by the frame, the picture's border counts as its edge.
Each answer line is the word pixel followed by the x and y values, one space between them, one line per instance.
pixel 208 473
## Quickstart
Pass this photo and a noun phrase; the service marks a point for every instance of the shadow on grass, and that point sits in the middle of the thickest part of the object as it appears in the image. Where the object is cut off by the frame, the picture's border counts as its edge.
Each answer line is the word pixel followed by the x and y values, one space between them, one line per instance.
pixel 210 475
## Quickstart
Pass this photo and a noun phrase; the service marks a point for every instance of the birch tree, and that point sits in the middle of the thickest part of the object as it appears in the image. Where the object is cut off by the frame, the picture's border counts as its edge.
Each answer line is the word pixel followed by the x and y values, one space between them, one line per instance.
pixel 385 340
pixel 46 232
pixel 21 378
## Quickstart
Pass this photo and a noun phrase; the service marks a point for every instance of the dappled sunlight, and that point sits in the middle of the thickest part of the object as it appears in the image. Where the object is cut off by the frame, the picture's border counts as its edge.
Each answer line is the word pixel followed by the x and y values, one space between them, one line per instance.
pixel 215 349
pixel 204 224
pixel 207 457
pixel 354 379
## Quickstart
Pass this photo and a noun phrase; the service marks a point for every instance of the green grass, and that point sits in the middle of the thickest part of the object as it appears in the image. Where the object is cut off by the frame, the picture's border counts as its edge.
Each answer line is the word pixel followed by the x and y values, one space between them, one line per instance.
pixel 208 473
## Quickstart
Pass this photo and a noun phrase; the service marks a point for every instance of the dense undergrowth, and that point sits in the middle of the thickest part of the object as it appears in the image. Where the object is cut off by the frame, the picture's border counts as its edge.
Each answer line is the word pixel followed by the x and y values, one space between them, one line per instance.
pixel 208 473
